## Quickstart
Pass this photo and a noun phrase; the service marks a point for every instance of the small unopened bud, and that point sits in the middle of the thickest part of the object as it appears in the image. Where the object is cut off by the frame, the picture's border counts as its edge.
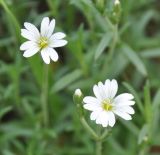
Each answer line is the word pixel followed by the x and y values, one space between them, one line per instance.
pixel 116 11
pixel 78 92
pixel 116 2
pixel 78 100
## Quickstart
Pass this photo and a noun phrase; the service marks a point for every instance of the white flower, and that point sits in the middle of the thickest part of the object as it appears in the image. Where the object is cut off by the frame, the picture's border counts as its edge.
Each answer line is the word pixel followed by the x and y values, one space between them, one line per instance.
pixel 105 105
pixel 44 41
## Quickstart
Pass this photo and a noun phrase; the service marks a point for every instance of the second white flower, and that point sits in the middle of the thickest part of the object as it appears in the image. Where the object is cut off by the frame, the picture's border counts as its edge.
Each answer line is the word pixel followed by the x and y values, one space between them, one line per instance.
pixel 105 105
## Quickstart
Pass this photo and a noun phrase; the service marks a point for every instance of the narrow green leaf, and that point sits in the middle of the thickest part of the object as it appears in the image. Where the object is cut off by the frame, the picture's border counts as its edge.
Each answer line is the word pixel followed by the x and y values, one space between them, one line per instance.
pixel 4 111
pixel 27 108
pixel 151 53
pixel 116 68
pixel 156 100
pixel 104 23
pixel 14 130
pixel 134 59
pixel 6 41
pixel 156 116
pixel 76 47
pixel 66 80
pixel 7 152
pixel 12 17
pixel 83 83
pixel 147 100
pixel 143 134
pixel 104 42
pixel 88 8
pixel 133 91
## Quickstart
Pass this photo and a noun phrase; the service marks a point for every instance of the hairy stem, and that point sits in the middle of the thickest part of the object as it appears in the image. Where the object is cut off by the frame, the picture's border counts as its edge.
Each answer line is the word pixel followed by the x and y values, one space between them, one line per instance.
pixel 88 128
pixel 99 147
pixel 44 96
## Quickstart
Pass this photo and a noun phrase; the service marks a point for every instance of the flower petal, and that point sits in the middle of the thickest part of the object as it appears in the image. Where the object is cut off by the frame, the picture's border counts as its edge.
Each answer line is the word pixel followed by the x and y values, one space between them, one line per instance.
pixel 53 54
pixel 26 45
pixel 28 35
pixel 111 88
pixel 123 98
pixel 91 100
pixel 44 26
pixel 97 93
pixel 45 55
pixel 51 27
pixel 99 119
pixel 58 36
pixel 123 115
pixel 103 119
pixel 92 107
pixel 125 103
pixel 102 90
pixel 31 51
pixel 111 119
pixel 126 109
pixel 92 103
pixel 57 43
pixel 30 27
pixel 95 114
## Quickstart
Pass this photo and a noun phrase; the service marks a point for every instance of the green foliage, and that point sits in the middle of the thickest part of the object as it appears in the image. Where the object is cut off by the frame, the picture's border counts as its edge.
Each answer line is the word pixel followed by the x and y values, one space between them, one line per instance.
pixel 98 48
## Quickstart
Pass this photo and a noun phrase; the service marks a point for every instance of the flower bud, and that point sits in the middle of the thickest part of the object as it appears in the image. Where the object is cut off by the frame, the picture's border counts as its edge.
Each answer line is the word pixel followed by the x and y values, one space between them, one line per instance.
pixel 116 11
pixel 78 92
pixel 117 2
pixel 78 100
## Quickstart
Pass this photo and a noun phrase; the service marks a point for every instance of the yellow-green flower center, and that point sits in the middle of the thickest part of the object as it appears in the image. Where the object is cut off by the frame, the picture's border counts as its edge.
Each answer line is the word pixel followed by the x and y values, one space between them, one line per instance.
pixel 107 105
pixel 43 42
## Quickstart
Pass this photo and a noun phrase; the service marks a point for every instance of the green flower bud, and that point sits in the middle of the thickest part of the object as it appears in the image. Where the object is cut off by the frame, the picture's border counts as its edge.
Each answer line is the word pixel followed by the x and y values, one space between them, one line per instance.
pixel 116 11
pixel 78 100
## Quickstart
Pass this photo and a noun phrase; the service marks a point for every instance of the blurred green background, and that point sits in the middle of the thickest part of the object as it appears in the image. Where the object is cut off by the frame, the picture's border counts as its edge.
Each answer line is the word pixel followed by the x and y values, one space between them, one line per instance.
pixel 100 46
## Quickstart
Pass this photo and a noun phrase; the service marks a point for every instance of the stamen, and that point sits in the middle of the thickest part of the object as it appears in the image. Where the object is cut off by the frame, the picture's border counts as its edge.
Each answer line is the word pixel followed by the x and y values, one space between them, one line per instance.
pixel 107 105
pixel 43 42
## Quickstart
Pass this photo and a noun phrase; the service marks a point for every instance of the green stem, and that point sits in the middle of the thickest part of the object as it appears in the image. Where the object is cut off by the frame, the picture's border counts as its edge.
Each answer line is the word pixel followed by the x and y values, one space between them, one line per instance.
pixel 144 150
pixel 97 137
pixel 109 23
pixel 105 134
pixel 99 147
pixel 44 95
pixel 88 128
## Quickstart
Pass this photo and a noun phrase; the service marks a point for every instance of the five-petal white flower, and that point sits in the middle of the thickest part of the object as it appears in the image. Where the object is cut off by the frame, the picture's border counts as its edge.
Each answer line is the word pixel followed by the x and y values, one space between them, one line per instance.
pixel 105 105
pixel 44 41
